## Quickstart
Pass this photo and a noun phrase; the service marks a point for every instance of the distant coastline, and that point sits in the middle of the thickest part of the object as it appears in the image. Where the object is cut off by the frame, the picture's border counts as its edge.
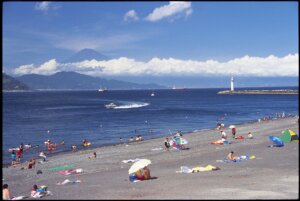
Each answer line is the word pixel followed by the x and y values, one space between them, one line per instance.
pixel 262 91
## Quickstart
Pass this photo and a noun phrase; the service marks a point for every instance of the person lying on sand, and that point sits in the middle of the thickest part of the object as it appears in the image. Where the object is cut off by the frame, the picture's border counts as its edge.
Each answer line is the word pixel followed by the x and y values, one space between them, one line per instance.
pixel 94 155
pixel 39 192
pixel 30 164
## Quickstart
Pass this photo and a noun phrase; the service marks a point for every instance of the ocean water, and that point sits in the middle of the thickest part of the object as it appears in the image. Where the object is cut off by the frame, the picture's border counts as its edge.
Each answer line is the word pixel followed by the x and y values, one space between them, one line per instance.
pixel 34 117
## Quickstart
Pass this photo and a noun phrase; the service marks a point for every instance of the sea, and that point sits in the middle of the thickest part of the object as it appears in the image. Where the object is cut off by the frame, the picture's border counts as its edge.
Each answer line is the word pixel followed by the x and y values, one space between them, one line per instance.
pixel 33 117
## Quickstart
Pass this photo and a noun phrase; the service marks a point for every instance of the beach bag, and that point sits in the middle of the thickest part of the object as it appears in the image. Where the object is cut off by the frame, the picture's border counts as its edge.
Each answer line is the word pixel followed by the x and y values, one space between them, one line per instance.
pixel 42 189
pixel 132 178
pixel 240 137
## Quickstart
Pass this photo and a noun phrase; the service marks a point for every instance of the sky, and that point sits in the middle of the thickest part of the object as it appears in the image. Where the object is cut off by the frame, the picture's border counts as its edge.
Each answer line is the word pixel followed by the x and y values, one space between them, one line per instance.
pixel 153 39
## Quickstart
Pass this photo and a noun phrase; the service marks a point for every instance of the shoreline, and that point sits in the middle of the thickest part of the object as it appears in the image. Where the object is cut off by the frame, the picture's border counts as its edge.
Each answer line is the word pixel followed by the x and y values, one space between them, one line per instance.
pixel 82 149
pixel 273 174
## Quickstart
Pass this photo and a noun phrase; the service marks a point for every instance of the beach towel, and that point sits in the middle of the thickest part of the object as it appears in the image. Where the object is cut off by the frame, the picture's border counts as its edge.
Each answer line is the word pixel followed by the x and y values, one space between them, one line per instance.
pixel 67 181
pixel 130 160
pixel 240 158
pixel 61 167
pixel 21 197
pixel 157 149
pixel 228 161
pixel 185 169
pixel 207 168
pixel 220 142
pixel 70 171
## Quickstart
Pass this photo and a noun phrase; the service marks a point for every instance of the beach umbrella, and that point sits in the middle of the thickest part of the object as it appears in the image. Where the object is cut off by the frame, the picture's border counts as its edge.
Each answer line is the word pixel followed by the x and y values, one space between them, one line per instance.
pixel 276 141
pixel 139 165
pixel 232 126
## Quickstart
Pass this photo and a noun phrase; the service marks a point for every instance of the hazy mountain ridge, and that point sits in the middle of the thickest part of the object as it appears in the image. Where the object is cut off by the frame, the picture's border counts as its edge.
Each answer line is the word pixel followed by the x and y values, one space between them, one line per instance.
pixel 9 83
pixel 73 80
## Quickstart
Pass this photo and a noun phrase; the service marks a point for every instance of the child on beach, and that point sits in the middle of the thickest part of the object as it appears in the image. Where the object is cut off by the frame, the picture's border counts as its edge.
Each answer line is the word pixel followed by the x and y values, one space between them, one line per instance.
pixel 250 136
pixel 74 148
pixel 13 158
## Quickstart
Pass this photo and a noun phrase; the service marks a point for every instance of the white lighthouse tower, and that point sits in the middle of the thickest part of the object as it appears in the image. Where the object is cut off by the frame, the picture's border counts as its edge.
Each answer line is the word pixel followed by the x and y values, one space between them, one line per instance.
pixel 231 84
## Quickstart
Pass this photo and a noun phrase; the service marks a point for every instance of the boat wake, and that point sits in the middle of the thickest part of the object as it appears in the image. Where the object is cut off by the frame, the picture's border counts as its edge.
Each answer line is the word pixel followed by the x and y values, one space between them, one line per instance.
pixel 131 105
pixel 65 107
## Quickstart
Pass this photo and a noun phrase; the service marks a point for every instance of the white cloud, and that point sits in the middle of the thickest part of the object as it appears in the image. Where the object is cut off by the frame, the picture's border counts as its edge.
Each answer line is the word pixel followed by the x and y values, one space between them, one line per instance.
pixel 42 6
pixel 244 66
pixel 131 15
pixel 107 43
pixel 173 8
pixel 47 68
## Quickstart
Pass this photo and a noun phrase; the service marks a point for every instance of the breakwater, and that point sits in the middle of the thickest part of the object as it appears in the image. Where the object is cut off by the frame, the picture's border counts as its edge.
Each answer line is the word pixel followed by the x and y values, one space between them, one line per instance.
pixel 277 91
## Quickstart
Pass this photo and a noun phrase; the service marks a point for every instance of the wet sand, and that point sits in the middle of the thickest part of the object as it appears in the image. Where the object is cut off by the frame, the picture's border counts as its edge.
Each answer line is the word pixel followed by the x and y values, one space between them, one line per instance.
pixel 274 174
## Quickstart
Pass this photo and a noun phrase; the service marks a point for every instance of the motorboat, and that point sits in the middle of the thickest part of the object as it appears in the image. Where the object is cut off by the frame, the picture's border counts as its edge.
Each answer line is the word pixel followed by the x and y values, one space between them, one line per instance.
pixel 102 89
pixel 152 94
pixel 110 105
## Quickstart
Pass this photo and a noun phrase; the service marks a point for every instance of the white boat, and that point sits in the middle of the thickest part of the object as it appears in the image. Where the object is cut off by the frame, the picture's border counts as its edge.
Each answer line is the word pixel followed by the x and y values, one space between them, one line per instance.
pixel 111 105
pixel 152 94
pixel 102 89
pixel 178 88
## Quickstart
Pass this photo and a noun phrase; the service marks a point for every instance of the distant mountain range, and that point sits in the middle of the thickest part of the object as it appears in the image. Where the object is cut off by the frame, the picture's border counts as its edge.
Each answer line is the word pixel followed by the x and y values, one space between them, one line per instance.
pixel 10 83
pixel 77 81
pixel 72 80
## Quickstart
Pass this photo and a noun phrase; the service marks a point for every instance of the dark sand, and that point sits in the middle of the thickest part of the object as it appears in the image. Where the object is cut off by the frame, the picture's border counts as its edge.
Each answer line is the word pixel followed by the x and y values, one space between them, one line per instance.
pixel 274 174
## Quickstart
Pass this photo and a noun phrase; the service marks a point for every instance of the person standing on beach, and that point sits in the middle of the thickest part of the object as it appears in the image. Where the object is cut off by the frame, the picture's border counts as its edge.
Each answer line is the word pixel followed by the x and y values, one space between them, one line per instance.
pixel 167 144
pixel 19 154
pixel 223 135
pixel 13 158
pixel 43 155
pixel 21 147
pixel 233 131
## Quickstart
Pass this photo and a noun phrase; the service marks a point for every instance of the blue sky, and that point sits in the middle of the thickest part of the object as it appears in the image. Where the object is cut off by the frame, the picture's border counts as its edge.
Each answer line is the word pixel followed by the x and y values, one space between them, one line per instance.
pixel 213 35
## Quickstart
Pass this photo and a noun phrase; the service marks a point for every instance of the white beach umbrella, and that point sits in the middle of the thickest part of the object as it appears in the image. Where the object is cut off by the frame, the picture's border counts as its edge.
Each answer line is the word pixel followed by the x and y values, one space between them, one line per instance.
pixel 139 165
pixel 232 126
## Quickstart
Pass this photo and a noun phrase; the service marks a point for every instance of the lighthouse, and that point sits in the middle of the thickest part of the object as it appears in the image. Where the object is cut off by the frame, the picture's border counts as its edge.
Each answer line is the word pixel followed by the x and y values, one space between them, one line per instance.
pixel 231 84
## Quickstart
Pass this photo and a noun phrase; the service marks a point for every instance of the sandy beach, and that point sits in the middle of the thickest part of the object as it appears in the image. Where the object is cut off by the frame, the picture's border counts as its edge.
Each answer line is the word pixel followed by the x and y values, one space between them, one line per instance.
pixel 273 174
